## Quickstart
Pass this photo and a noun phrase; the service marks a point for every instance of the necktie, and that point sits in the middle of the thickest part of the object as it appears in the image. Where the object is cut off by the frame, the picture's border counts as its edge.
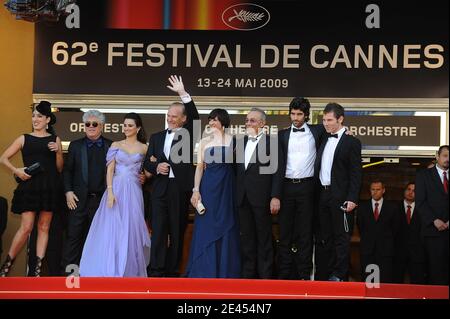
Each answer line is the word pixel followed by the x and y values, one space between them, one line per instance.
pixel 295 130
pixel 333 135
pixel 98 143
pixel 408 214
pixel 445 182
pixel 376 212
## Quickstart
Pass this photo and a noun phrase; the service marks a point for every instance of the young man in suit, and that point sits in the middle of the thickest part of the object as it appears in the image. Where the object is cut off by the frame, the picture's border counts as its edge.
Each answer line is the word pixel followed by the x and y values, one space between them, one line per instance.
pixel 338 172
pixel 84 183
pixel 377 220
pixel 298 147
pixel 258 189
pixel 432 202
pixel 409 247
pixel 169 160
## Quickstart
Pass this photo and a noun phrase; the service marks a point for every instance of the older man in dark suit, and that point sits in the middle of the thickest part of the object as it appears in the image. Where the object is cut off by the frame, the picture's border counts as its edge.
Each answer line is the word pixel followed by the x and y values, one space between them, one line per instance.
pixel 258 190
pixel 169 160
pixel 84 183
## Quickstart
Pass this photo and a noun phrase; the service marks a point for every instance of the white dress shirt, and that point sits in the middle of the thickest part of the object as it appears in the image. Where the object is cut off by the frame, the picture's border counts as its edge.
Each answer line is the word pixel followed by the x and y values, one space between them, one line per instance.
pixel 167 146
pixel 405 204
pixel 441 174
pixel 327 158
pixel 169 136
pixel 250 149
pixel 380 204
pixel 301 154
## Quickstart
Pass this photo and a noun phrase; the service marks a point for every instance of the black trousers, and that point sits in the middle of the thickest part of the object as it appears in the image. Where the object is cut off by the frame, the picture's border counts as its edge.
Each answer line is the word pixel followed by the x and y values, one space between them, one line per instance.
pixel 333 240
pixel 78 225
pixel 295 220
pixel 256 240
pixel 406 265
pixel 168 221
pixel 437 254
pixel 385 264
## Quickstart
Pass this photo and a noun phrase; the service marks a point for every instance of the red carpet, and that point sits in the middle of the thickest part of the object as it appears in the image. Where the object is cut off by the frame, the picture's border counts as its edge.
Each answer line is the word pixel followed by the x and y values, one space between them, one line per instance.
pixel 182 288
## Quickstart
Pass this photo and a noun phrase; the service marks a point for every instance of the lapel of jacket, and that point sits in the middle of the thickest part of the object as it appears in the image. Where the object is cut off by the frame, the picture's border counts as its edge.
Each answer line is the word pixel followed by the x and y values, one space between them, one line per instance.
pixel 338 148
pixel 253 159
pixel 437 179
pixel 287 135
pixel 313 129
pixel 84 161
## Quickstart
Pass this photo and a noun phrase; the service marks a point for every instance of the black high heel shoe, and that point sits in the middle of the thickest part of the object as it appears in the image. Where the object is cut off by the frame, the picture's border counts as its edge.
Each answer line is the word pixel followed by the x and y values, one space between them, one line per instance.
pixel 38 268
pixel 6 267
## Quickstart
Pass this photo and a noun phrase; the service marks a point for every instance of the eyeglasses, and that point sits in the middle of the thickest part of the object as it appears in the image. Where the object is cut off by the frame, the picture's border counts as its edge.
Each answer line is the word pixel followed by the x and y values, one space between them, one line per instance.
pixel 88 124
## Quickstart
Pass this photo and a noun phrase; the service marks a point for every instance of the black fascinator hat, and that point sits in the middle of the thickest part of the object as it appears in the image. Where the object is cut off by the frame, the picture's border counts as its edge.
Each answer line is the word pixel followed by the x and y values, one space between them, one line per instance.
pixel 45 108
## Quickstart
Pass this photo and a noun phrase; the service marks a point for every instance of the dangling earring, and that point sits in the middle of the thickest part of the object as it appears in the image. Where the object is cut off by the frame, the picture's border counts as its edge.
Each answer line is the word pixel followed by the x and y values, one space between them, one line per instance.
pixel 47 127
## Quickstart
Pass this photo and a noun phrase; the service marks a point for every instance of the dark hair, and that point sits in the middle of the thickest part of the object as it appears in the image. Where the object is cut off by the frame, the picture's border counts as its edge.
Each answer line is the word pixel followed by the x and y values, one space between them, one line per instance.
pixel 407 185
pixel 442 148
pixel 337 109
pixel 302 104
pixel 221 115
pixel 44 107
pixel 141 136
pixel 376 181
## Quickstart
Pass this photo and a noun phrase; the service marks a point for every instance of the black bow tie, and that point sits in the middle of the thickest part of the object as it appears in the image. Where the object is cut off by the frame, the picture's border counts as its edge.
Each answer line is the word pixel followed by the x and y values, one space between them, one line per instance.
pixel 295 130
pixel 333 135
pixel 98 142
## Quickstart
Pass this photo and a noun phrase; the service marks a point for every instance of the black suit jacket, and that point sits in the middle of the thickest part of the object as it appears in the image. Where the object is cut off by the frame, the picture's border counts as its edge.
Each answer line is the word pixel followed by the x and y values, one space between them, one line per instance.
pixel 377 237
pixel 76 169
pixel 260 188
pixel 183 171
pixel 431 200
pixel 318 132
pixel 346 172
pixel 409 242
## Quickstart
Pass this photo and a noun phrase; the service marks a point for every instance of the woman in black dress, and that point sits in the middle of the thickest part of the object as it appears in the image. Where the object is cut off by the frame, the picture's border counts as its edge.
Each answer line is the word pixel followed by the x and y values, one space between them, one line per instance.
pixel 35 194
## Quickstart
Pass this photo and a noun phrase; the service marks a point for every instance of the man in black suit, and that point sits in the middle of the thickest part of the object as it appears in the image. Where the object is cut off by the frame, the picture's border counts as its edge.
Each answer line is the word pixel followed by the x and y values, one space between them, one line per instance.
pixel 338 173
pixel 378 221
pixel 298 147
pixel 84 183
pixel 169 160
pixel 432 202
pixel 258 189
pixel 409 247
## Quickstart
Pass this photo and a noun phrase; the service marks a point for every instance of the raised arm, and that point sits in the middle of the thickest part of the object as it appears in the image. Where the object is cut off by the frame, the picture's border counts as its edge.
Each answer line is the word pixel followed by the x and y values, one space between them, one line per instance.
pixel 177 86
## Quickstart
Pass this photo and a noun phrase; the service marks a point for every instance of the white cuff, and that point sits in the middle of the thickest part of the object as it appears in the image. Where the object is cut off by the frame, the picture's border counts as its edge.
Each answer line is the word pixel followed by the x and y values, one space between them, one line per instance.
pixel 186 98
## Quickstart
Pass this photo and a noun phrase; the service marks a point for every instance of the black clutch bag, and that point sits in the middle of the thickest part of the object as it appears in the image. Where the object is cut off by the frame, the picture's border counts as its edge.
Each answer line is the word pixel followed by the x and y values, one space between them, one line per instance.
pixel 31 170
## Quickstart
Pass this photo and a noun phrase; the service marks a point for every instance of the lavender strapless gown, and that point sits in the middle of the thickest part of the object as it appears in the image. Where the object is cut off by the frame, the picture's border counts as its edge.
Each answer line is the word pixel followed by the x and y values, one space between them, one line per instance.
pixel 118 243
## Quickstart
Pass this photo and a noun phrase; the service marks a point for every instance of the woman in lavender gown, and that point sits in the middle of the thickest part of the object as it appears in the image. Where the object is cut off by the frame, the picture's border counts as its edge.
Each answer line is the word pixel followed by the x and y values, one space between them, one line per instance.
pixel 118 242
